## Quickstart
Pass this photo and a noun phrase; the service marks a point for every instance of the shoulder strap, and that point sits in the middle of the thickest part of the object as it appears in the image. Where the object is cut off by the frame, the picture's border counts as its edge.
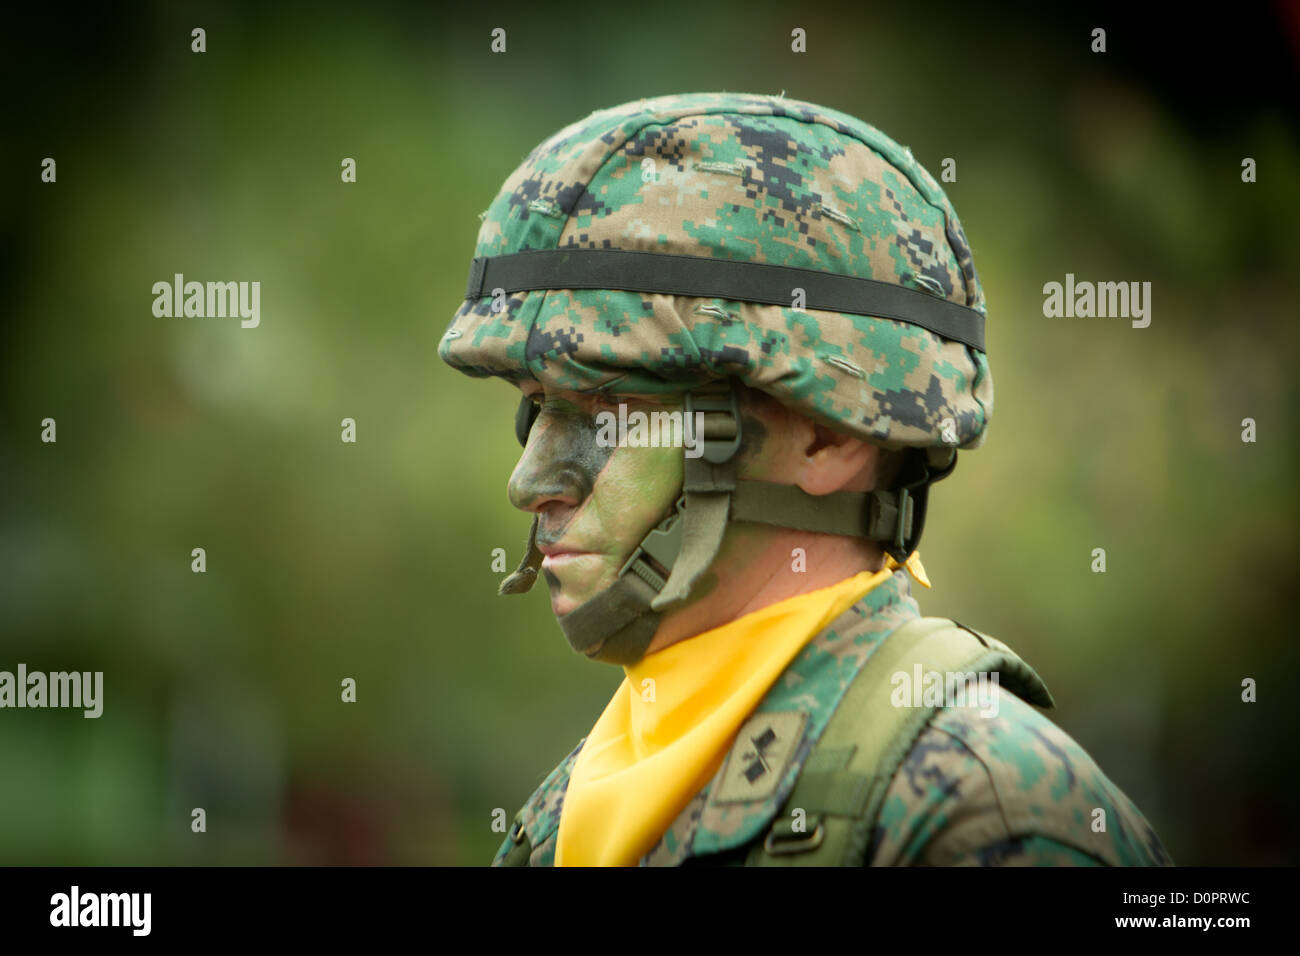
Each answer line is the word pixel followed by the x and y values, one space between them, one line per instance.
pixel 844 780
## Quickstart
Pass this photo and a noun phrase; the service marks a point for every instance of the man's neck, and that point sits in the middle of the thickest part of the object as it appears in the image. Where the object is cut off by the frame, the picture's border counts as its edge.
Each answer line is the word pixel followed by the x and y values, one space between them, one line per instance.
pixel 791 563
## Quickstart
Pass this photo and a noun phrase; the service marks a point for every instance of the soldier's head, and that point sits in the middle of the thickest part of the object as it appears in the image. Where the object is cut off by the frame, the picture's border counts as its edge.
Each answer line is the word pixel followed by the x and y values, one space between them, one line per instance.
pixel 749 336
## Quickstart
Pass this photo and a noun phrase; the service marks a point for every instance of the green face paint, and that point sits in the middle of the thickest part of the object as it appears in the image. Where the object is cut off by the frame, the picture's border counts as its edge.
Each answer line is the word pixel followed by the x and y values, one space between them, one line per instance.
pixel 595 502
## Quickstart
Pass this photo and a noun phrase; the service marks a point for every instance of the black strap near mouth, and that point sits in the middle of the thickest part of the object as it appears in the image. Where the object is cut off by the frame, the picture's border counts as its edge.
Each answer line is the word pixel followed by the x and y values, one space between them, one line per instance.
pixel 760 282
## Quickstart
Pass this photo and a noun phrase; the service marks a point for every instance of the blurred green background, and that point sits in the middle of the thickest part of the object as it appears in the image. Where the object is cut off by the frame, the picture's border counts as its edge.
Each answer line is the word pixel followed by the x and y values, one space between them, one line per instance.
pixel 328 560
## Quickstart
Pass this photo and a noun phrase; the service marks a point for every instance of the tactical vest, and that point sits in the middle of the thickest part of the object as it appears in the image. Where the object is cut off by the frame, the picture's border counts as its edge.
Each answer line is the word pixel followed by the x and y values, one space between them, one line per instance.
pixel 842 783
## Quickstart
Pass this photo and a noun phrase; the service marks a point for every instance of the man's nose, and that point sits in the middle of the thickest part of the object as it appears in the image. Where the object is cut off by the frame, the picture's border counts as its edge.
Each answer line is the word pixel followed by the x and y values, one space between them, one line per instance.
pixel 545 475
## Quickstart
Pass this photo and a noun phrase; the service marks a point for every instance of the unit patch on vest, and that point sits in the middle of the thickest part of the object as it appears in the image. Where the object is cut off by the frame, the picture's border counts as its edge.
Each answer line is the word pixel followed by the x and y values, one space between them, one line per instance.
pixel 759 756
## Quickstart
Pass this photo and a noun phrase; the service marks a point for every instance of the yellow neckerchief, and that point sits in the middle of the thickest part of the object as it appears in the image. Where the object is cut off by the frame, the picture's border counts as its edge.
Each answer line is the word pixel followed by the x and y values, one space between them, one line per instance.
pixel 671 722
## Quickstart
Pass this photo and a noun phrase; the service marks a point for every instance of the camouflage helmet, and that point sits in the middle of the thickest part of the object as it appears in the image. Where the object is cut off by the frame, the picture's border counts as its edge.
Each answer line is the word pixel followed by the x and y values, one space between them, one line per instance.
pixel 670 244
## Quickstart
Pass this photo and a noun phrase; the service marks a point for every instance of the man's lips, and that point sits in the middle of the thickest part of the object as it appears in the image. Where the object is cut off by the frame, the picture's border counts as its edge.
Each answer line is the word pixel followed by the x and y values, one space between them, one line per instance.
pixel 558 552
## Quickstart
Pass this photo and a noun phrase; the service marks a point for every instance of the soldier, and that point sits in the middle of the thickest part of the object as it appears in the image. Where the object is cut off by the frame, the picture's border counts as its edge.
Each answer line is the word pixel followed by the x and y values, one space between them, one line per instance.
pixel 789 299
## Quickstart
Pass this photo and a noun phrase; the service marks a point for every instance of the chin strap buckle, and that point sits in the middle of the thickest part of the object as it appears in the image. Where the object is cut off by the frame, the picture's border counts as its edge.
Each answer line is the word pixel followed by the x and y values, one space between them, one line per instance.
pixel 903 524
pixel 721 438
pixel 654 557
pixel 924 467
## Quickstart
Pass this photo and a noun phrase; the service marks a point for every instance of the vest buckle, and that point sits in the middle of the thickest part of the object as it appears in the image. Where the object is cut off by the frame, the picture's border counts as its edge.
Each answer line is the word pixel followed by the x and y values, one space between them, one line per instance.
pixel 801 843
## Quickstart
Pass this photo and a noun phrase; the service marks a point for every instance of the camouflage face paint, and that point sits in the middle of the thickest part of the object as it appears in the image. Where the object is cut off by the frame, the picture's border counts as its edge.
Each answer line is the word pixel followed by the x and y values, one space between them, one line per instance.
pixel 598 502
pixel 595 502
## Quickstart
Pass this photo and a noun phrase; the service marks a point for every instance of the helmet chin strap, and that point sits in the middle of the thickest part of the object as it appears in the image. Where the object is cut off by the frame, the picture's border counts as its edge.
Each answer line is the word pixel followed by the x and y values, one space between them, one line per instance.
pixel 617 625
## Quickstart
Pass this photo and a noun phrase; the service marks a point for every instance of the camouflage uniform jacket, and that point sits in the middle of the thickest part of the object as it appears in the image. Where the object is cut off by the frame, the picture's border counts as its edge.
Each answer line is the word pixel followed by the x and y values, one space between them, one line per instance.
pixel 1012 789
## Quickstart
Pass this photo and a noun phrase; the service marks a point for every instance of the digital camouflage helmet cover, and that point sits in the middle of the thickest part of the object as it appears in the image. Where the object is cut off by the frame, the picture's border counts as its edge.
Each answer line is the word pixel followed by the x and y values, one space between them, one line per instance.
pixel 678 244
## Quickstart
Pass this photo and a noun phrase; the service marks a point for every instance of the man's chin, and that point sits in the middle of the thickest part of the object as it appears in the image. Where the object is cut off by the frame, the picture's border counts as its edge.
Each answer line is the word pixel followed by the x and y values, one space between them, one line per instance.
pixel 562 602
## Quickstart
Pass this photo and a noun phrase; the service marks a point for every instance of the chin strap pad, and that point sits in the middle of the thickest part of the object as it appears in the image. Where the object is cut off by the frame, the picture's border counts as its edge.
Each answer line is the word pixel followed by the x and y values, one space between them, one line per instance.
pixel 617 625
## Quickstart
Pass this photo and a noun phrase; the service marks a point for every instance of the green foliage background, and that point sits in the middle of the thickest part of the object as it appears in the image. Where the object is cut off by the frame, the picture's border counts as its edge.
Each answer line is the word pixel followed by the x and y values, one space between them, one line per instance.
pixel 372 561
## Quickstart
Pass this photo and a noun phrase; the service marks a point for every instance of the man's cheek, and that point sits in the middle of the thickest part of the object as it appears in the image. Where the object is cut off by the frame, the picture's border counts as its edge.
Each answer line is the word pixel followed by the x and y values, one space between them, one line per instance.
pixel 634 491
pixel 643 479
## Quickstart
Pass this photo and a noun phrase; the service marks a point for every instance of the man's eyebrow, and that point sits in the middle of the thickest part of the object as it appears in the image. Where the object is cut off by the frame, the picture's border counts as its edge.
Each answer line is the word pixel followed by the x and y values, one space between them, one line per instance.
pixel 640 397
pixel 531 388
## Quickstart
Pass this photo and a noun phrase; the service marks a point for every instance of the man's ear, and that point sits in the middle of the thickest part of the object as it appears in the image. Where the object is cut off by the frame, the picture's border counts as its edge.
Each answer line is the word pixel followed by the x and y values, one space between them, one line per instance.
pixel 833 461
